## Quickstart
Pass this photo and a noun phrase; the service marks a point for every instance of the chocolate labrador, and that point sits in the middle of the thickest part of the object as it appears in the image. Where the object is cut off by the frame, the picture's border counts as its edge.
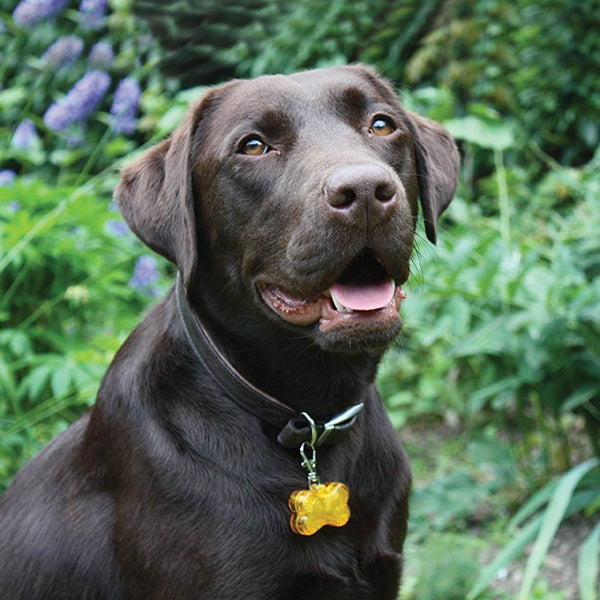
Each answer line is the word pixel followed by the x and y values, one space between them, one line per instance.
pixel 238 448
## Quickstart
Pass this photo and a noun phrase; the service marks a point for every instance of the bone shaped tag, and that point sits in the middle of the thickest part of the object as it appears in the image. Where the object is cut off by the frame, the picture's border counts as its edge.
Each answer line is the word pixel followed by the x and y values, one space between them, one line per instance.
pixel 321 504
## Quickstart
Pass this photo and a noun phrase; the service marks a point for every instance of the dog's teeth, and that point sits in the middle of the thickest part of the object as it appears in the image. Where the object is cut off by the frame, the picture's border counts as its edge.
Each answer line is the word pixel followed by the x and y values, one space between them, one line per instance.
pixel 338 305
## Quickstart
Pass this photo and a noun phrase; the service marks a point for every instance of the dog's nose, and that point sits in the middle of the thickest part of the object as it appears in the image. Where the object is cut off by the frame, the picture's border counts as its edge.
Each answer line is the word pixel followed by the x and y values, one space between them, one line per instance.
pixel 363 194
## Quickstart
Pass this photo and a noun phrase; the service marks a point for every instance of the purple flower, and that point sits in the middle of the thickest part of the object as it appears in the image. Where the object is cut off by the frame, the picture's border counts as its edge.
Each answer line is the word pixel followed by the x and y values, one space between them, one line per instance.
pixel 29 12
pixel 145 274
pixel 101 56
pixel 6 177
pixel 63 52
pixel 79 103
pixel 124 106
pixel 25 136
pixel 92 13
pixel 117 227
pixel 59 116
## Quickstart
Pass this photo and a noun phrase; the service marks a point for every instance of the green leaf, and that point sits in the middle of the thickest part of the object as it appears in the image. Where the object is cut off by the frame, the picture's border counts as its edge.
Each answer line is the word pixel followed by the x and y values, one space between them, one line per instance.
pixel 486 133
pixel 534 503
pixel 118 147
pixel 505 556
pixel 551 520
pixel 479 397
pixel 492 337
pixel 172 118
pixel 522 538
pixel 580 396
pixel 41 412
pixel 7 381
pixel 36 381
pixel 60 382
pixel 13 97
pixel 588 565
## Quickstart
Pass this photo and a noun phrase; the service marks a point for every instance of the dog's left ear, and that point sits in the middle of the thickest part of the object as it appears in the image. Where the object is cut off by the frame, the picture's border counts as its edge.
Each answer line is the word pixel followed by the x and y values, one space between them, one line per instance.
pixel 438 165
pixel 155 194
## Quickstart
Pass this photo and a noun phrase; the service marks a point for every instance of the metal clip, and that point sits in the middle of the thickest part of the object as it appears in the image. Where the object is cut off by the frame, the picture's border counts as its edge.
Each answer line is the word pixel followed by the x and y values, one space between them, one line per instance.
pixel 313 429
pixel 344 417
pixel 310 463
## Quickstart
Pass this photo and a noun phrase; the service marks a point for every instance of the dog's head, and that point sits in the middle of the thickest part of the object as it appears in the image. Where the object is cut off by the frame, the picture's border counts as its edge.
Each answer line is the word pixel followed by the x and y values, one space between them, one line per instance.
pixel 293 200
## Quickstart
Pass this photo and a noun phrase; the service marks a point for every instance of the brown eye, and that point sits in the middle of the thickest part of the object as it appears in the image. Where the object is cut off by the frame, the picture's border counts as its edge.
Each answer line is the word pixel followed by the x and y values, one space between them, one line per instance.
pixel 382 126
pixel 253 146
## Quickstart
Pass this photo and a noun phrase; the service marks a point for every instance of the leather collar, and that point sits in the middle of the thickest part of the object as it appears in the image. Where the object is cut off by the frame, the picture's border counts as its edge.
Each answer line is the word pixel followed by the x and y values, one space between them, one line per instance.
pixel 295 428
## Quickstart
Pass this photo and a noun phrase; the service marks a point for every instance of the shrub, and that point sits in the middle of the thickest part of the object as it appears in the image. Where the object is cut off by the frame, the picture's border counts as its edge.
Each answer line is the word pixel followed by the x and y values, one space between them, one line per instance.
pixel 68 299
pixel 86 68
pixel 69 286
pixel 448 564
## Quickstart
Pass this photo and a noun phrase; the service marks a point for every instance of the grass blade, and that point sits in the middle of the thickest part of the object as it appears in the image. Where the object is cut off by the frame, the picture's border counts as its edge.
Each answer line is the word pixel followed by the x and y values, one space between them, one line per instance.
pixel 537 500
pixel 551 520
pixel 588 565
pixel 513 549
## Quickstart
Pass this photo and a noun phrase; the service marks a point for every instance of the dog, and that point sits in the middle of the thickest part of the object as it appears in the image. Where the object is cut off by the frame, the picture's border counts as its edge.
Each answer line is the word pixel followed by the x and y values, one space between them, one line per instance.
pixel 238 447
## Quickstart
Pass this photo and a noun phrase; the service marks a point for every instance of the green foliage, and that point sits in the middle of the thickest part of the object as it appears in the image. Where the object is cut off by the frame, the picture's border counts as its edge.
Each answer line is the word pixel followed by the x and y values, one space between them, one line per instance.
pixel 92 143
pixel 588 567
pixel 333 32
pixel 509 327
pixel 577 489
pixel 505 327
pixel 67 299
pixel 534 60
pixel 205 40
pixel 461 494
pixel 73 279
pixel 449 564
pixel 330 32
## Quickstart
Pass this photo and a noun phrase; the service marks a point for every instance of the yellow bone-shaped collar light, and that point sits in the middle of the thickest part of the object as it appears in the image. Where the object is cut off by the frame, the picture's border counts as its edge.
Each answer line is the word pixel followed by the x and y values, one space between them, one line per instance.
pixel 321 504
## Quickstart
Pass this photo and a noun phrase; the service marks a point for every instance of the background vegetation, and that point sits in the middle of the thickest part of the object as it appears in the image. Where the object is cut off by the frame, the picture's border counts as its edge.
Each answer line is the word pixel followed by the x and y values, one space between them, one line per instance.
pixel 495 383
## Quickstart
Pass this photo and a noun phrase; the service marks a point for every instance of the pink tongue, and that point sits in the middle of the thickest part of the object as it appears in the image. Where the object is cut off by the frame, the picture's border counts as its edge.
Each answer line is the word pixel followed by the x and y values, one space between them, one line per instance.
pixel 372 296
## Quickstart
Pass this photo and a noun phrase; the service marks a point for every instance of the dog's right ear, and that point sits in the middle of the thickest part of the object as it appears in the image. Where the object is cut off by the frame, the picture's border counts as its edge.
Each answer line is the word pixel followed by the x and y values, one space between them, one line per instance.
pixel 155 194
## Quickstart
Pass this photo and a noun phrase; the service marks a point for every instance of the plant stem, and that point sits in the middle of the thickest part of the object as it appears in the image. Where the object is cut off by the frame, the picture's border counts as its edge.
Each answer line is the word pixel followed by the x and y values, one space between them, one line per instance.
pixel 503 198
pixel 93 156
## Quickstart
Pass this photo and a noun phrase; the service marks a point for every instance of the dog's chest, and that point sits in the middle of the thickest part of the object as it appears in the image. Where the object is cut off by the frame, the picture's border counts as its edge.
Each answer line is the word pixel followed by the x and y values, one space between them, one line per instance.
pixel 231 538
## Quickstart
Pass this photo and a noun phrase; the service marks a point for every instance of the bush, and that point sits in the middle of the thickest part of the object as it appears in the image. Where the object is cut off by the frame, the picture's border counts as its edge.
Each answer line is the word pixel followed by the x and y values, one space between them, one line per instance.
pixel 86 70
pixel 73 279
pixel 502 54
pixel 448 566
pixel 71 289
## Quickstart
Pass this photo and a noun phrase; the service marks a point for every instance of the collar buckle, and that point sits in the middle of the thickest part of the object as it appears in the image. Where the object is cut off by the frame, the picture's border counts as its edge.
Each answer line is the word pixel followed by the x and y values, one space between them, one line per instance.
pixel 302 428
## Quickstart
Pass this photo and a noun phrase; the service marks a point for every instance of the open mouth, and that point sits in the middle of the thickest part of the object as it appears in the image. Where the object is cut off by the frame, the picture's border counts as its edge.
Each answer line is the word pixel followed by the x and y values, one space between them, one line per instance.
pixel 363 295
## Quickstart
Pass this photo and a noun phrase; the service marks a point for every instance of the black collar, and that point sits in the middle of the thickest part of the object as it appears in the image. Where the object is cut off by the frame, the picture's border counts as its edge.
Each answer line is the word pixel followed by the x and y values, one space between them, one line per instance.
pixel 295 428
